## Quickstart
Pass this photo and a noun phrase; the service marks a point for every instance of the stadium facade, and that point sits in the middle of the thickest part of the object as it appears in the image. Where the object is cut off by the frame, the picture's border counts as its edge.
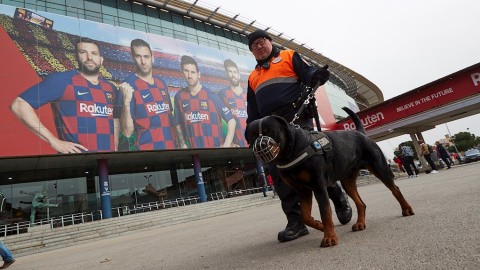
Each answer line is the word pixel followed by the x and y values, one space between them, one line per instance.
pixel 38 44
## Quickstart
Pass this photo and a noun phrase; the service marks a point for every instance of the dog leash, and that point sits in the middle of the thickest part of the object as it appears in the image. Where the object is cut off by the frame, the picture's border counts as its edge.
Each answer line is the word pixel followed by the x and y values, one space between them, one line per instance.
pixel 310 96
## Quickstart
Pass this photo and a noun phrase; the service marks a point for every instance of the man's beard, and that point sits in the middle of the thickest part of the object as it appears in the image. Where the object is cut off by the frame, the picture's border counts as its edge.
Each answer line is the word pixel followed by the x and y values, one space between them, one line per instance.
pixel 234 83
pixel 88 70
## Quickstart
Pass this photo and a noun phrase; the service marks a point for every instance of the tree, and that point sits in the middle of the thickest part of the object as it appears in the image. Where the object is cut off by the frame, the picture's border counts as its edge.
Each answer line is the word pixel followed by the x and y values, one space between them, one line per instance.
pixel 463 141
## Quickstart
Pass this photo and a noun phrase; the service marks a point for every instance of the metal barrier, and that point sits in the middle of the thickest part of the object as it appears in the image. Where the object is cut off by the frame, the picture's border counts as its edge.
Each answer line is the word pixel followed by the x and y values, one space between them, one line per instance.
pixel 54 222
pixel 78 218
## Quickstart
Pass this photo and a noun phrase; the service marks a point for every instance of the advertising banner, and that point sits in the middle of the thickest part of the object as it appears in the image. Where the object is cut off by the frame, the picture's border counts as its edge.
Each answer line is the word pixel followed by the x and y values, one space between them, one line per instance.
pixel 81 86
pixel 439 94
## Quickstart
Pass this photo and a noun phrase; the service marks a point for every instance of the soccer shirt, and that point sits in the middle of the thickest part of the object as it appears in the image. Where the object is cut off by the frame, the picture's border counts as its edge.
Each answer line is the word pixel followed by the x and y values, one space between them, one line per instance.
pixel 151 110
pixel 83 112
pixel 238 108
pixel 201 116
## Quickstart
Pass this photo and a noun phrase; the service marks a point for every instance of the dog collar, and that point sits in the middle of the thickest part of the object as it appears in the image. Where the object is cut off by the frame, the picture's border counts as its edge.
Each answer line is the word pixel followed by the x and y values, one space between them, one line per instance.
pixel 319 144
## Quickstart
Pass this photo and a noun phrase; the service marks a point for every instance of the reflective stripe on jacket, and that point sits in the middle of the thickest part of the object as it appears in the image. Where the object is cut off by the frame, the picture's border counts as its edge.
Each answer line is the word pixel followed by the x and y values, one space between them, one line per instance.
pixel 275 87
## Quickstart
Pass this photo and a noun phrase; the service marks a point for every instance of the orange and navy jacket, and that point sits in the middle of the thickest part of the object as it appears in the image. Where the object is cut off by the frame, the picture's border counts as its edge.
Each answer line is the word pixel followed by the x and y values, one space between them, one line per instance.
pixel 272 88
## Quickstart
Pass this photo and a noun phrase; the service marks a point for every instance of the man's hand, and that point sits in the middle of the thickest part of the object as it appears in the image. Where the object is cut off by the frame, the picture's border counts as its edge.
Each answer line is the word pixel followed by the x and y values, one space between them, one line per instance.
pixel 321 76
pixel 127 92
pixel 65 147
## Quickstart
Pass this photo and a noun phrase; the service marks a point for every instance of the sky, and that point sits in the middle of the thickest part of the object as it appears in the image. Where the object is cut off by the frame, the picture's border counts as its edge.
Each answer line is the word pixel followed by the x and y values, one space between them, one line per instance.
pixel 397 45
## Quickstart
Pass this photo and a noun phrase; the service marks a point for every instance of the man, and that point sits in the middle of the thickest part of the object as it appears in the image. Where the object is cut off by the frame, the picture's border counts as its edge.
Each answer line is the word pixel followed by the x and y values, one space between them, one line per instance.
pixel 407 154
pixel 235 98
pixel 82 104
pixel 273 87
pixel 6 256
pixel 147 109
pixel 425 152
pixel 200 112
pixel 443 154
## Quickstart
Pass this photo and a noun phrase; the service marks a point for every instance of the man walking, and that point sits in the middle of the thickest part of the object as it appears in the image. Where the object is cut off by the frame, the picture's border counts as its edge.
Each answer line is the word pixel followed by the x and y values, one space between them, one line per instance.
pixel 443 154
pixel 407 154
pixel 273 87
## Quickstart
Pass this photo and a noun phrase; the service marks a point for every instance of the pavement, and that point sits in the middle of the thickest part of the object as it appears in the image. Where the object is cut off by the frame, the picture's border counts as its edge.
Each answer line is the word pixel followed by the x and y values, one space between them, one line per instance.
pixel 444 233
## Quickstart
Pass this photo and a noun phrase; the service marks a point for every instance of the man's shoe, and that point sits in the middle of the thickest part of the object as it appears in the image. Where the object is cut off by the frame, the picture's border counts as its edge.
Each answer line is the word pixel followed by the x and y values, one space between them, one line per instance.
pixel 434 171
pixel 293 231
pixel 7 264
pixel 340 201
pixel 344 214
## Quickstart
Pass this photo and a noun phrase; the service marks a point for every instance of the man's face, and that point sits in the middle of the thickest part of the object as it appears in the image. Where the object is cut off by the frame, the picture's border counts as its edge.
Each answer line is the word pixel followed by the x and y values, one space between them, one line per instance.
pixel 191 74
pixel 261 48
pixel 233 75
pixel 143 59
pixel 89 59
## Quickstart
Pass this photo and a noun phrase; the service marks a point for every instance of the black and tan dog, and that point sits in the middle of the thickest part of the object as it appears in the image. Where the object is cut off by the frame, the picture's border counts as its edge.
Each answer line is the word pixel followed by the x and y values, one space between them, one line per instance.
pixel 352 151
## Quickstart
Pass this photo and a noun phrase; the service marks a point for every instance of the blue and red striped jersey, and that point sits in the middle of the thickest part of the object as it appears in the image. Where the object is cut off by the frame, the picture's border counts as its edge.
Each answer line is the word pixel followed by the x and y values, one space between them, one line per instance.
pixel 83 112
pixel 201 116
pixel 238 108
pixel 151 110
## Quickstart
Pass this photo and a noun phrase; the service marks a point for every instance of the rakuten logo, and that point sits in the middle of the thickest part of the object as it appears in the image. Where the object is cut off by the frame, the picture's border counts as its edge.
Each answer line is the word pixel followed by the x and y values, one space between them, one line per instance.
pixel 158 108
pixel 475 78
pixel 196 117
pixel 96 110
pixel 368 121
pixel 239 113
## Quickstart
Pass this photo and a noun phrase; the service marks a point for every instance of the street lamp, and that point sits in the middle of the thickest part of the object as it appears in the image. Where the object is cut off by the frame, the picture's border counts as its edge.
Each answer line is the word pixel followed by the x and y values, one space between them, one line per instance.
pixel 454 145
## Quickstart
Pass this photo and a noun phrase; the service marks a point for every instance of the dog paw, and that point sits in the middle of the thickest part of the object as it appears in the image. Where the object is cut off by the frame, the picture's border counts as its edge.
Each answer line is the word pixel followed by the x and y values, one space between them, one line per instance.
pixel 329 242
pixel 359 227
pixel 408 212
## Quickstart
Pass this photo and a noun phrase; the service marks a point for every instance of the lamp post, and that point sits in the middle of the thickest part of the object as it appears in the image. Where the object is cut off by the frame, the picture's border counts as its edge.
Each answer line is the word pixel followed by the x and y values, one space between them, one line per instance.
pixel 454 145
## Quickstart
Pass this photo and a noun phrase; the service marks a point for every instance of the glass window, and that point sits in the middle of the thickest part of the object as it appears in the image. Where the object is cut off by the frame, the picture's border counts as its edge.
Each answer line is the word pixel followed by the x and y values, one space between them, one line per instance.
pixel 209 29
pixel 75 9
pixel 165 15
pixel 15 3
pixel 152 12
pixel 228 34
pixel 219 31
pixel 93 16
pixel 57 7
pixel 199 25
pixel 188 22
pixel 177 19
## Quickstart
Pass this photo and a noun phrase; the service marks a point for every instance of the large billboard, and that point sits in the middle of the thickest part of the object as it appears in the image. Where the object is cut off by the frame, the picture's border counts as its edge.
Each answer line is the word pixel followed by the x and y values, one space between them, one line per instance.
pixel 81 86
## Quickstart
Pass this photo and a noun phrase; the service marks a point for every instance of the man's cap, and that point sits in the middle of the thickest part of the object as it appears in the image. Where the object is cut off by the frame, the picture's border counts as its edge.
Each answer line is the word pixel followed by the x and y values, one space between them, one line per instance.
pixel 256 35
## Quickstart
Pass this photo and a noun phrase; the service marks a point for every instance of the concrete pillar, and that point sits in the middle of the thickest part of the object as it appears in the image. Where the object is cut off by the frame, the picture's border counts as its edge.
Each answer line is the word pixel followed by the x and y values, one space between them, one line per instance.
pixel 197 169
pixel 104 188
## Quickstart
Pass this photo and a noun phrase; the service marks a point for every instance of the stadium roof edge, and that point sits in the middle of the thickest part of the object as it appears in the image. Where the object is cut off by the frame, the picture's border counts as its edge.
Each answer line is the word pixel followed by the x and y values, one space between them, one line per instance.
pixel 355 85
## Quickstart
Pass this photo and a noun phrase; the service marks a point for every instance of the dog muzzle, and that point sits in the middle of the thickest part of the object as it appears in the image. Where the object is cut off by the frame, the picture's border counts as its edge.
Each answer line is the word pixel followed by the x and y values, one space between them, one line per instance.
pixel 265 148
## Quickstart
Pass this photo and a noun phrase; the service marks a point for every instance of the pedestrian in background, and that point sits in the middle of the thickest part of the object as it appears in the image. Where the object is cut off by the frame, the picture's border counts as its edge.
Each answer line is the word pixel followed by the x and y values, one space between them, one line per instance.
pixel 442 154
pixel 6 256
pixel 407 154
pixel 425 152
pixel 270 182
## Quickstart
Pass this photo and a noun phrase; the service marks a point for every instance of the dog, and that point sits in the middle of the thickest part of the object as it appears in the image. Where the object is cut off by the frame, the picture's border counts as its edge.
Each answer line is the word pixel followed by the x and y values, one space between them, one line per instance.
pixel 283 143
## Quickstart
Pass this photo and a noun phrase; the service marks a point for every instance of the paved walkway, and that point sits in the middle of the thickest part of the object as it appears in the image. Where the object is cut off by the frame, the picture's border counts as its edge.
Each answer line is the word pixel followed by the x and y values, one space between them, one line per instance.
pixel 444 234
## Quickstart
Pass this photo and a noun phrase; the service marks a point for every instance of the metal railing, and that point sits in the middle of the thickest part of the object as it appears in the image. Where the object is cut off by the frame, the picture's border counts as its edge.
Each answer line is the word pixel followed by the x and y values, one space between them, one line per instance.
pixel 78 218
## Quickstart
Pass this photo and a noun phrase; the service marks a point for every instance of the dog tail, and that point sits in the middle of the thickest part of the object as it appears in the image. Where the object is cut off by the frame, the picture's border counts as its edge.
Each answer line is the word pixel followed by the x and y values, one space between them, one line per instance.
pixel 356 120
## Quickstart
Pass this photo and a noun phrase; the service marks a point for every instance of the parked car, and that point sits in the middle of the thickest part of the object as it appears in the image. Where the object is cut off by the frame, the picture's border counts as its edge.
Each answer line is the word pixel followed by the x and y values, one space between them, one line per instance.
pixel 472 155
pixel 363 172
